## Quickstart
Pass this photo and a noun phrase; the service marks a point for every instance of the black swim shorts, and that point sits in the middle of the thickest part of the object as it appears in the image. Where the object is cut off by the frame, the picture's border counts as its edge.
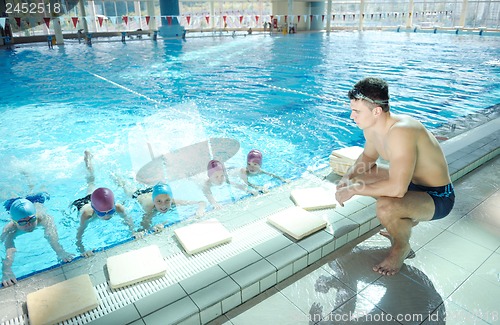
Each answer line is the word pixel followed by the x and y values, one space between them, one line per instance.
pixel 140 192
pixel 81 202
pixel 443 197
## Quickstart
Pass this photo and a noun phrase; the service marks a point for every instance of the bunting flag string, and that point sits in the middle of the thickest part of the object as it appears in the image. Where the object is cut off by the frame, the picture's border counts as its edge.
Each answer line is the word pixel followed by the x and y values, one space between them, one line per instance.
pixel 233 18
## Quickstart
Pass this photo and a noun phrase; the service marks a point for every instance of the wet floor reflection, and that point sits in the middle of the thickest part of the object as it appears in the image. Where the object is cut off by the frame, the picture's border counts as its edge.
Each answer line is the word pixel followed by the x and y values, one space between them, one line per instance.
pixel 407 298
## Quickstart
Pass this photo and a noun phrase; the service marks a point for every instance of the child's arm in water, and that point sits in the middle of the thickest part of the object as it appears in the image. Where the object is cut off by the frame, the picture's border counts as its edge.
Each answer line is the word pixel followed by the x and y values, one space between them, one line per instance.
pixel 86 213
pixel 8 235
pixel 202 205
pixel 120 209
pixel 210 197
pixel 53 238
pixel 275 176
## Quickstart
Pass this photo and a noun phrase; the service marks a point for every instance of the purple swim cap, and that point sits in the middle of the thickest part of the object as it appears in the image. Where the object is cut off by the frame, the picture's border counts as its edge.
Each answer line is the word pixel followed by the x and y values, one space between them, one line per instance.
pixel 21 208
pixel 255 156
pixel 213 166
pixel 102 199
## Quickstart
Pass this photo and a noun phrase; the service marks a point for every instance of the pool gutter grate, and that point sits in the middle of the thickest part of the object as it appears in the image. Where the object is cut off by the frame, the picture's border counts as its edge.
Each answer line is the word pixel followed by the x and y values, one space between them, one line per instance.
pixel 179 267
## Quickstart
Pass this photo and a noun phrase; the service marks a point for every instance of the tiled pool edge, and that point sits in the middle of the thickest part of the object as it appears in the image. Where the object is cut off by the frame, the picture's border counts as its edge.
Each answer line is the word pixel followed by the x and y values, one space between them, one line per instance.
pixel 219 288
pixel 250 273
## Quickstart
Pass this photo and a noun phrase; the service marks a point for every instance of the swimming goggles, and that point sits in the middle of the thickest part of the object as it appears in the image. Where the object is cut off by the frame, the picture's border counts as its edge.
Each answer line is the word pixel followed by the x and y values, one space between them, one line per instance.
pixel 24 222
pixel 355 93
pixel 103 213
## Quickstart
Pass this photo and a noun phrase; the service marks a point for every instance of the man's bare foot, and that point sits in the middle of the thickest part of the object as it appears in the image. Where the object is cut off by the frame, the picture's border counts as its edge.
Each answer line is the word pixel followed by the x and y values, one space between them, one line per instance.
pixel 386 234
pixel 393 262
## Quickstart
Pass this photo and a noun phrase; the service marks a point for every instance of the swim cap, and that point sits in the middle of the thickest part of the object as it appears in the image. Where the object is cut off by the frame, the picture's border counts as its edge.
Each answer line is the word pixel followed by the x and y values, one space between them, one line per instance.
pixel 162 188
pixel 102 199
pixel 255 156
pixel 213 166
pixel 22 208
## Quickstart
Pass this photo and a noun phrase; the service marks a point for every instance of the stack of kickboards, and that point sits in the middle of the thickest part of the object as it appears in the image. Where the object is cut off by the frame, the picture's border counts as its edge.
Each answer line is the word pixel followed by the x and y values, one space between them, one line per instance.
pixel 342 159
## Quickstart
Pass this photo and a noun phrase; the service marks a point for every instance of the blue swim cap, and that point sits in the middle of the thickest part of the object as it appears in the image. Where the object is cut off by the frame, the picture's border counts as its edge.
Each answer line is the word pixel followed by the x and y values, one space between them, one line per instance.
pixel 21 208
pixel 162 188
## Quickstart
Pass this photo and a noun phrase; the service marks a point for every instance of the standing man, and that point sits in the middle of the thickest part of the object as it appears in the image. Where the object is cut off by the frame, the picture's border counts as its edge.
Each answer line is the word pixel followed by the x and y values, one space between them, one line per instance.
pixel 416 186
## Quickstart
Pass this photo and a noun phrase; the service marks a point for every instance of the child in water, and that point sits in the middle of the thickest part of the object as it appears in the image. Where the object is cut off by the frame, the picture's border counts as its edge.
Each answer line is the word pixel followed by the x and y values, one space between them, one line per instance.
pixel 217 176
pixel 97 204
pixel 26 215
pixel 157 199
pixel 254 167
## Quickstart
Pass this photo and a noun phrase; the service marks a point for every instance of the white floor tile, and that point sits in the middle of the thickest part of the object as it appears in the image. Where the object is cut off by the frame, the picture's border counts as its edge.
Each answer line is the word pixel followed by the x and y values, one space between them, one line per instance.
pixel 270 308
pixel 458 250
pixel 479 227
pixel 480 298
pixel 490 270
pixel 442 274
pixel 316 290
pixel 408 296
pixel 450 313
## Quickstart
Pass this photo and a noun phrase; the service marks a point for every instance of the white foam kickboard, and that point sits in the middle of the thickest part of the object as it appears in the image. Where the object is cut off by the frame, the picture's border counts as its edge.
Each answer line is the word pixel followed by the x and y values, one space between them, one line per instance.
pixel 142 264
pixel 61 301
pixel 348 153
pixel 297 222
pixel 202 235
pixel 314 198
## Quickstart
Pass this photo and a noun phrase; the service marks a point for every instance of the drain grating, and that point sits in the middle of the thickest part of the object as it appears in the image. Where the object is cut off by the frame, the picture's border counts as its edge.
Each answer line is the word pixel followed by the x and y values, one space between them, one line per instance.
pixel 179 267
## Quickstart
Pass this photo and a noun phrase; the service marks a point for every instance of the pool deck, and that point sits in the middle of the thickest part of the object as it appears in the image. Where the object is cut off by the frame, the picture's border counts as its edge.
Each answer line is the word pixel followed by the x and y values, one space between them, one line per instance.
pixel 230 283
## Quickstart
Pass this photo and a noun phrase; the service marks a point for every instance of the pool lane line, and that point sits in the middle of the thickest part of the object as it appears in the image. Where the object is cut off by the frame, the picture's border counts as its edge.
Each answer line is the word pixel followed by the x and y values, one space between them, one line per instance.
pixel 124 88
pixel 327 98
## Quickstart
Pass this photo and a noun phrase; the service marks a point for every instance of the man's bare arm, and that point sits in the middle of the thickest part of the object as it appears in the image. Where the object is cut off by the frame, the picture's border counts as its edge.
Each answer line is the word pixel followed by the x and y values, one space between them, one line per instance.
pixel 402 156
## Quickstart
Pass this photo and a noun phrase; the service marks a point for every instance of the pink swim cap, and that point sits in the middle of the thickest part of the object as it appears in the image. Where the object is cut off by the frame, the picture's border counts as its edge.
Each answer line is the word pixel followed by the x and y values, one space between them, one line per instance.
pixel 255 156
pixel 102 199
pixel 213 166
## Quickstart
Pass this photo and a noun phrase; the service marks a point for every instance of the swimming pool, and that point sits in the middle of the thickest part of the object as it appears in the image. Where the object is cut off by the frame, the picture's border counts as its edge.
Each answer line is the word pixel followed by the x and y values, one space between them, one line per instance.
pixel 283 94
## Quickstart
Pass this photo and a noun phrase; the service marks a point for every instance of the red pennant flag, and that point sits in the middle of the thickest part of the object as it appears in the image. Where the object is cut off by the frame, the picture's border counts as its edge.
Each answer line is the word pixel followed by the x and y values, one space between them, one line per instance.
pixel 75 21
pixel 224 18
pixel 188 18
pixel 311 17
pixel 47 21
pixel 333 17
pixel 207 18
pixel 241 19
pixel 125 19
pixel 147 20
pixel 100 19
pixel 256 19
pixel 286 16
pixel 18 21
pixel 169 20
pixel 323 17
pixel 271 17
pixel 298 19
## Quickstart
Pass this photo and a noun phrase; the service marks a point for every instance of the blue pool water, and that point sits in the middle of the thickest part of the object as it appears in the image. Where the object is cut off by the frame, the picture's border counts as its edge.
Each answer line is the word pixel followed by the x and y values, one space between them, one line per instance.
pixel 283 94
